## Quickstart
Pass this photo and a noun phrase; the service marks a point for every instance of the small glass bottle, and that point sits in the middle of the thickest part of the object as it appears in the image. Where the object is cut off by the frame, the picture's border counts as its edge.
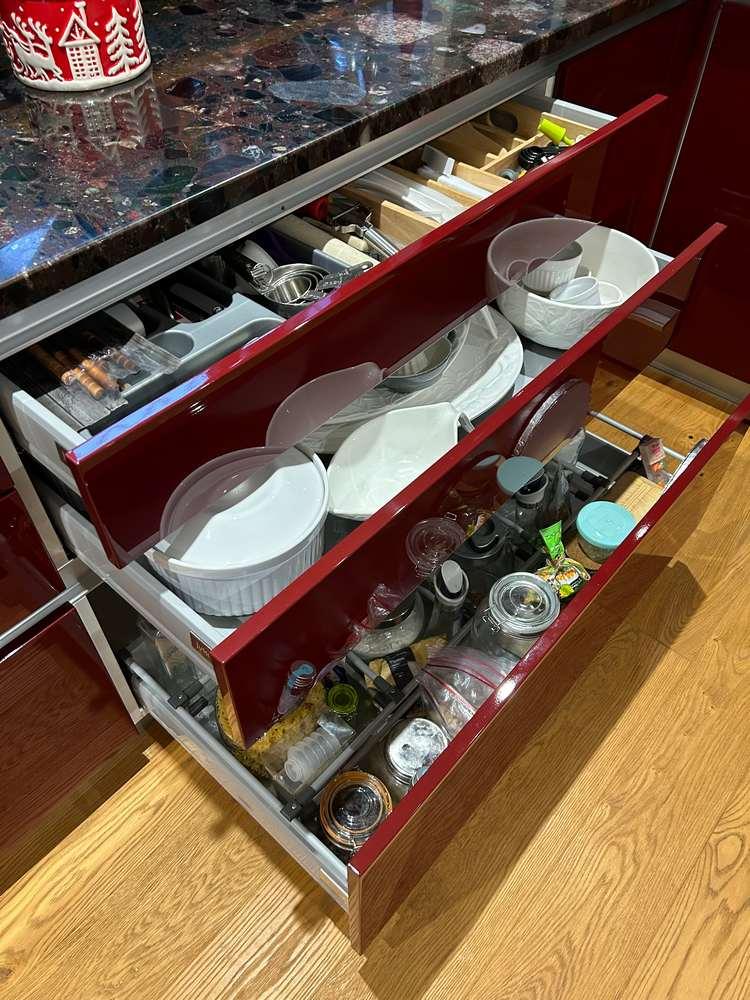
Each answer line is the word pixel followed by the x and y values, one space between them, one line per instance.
pixel 301 678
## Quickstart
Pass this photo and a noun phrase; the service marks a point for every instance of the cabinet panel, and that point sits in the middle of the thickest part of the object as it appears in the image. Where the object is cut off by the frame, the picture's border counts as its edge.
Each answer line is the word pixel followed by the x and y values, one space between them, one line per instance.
pixel 28 578
pixel 711 185
pixel 60 718
pixel 670 51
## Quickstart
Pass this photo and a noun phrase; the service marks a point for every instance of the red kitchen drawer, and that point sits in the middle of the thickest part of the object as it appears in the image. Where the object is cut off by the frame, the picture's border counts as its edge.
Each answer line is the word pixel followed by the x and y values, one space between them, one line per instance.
pixel 377 320
pixel 60 718
pixel 28 578
pixel 316 616
pixel 382 873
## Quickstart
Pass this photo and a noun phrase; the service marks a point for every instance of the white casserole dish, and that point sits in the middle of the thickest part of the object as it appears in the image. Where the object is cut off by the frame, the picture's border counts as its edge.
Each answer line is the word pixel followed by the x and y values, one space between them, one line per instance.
pixel 241 528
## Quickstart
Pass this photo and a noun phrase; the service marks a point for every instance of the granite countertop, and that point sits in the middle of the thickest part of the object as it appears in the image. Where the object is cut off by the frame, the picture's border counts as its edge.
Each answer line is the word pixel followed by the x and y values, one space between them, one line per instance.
pixel 240 98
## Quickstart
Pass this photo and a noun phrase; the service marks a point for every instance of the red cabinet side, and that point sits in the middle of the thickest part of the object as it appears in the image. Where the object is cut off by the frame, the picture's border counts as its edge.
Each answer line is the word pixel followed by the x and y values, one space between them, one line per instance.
pixel 60 718
pixel 713 181
pixel 28 578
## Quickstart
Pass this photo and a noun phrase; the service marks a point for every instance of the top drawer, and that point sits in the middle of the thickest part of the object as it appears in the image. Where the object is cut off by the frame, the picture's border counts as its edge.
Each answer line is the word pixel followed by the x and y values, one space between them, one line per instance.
pixel 360 332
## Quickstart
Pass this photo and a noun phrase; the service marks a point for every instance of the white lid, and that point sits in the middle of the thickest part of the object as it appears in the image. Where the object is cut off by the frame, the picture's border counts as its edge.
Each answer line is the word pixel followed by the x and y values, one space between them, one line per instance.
pixel 281 504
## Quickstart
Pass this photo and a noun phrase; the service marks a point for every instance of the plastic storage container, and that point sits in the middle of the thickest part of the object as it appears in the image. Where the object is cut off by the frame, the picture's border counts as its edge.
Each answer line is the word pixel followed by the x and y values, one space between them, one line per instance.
pixel 602 526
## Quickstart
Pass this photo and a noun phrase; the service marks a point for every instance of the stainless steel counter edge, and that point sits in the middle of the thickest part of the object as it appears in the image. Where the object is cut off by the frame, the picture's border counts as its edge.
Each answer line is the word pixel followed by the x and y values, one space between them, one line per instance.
pixel 54 313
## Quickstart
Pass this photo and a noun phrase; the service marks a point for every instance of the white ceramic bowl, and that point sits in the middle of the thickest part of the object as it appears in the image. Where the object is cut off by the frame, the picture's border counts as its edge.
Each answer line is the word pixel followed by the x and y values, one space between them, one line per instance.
pixel 232 556
pixel 558 270
pixel 610 256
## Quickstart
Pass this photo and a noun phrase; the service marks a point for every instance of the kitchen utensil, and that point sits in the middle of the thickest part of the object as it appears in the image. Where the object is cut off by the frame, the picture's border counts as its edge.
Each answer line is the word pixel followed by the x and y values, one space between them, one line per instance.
pixel 420 199
pixel 534 156
pixel 620 263
pixel 230 559
pixel 425 368
pixel 484 368
pixel 555 133
pixel 380 458
pixel 514 614
pixel 586 291
pixel 558 417
pixel 294 228
pixel 520 249
pixel 559 270
pixel 347 215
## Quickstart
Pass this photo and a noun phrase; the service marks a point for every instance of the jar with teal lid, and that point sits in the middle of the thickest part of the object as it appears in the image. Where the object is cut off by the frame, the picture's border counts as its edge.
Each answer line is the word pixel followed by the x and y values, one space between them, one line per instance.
pixel 602 526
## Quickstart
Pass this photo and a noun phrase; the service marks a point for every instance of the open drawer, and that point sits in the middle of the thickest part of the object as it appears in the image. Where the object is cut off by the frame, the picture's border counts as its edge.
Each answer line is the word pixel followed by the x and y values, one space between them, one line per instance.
pixel 379 876
pixel 318 615
pixel 230 405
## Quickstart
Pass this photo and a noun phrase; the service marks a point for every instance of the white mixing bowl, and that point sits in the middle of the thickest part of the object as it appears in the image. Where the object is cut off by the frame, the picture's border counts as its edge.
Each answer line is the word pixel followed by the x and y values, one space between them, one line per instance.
pixel 611 257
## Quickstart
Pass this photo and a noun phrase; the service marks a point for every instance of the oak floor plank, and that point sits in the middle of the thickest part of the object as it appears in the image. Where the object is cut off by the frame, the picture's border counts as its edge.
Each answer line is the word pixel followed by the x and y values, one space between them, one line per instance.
pixel 702 950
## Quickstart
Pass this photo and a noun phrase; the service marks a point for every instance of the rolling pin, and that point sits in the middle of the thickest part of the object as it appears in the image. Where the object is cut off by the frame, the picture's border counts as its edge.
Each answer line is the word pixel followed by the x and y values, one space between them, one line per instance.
pixel 309 235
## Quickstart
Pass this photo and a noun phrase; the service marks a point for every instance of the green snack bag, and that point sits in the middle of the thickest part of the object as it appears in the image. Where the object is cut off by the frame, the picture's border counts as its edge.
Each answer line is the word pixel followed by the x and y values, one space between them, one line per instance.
pixel 552 537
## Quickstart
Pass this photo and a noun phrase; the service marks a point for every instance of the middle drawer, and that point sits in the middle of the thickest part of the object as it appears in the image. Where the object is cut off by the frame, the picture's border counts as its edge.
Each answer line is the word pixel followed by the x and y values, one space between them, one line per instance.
pixel 355 337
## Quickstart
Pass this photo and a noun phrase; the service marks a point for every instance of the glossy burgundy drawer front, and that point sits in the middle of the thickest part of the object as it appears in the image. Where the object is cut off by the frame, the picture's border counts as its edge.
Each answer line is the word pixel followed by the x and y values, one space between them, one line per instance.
pixel 316 617
pixel 60 717
pixel 380 318
pixel 28 578
pixel 392 861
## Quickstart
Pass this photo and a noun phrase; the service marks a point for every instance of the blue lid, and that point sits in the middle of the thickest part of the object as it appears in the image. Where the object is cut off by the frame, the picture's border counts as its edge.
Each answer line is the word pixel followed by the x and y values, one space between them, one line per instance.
pixel 604 524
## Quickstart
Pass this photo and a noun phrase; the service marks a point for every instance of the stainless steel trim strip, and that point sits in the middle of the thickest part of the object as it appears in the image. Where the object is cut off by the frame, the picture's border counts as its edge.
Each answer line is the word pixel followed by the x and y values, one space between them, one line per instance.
pixel 636 434
pixel 72 304
pixel 71 594
pixel 685 127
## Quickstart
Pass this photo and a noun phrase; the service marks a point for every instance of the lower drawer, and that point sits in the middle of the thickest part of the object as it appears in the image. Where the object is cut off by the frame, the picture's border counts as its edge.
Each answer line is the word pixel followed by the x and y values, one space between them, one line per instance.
pixel 380 875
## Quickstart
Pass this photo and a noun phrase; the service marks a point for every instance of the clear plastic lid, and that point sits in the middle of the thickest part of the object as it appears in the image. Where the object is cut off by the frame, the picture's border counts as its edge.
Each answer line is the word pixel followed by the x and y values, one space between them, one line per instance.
pixel 523 603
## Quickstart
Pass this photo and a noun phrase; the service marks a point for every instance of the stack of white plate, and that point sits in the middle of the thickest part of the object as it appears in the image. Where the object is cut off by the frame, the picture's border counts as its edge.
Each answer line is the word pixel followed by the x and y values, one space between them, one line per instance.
pixel 481 373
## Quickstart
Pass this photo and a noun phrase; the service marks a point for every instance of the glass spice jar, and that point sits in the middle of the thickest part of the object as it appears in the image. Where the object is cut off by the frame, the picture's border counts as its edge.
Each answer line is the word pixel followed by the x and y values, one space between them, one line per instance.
pixel 518 609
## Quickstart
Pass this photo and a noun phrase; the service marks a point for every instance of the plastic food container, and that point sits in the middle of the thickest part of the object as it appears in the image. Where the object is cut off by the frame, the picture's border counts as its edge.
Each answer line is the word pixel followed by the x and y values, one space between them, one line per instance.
pixel 513 616
pixel 602 526
pixel 242 528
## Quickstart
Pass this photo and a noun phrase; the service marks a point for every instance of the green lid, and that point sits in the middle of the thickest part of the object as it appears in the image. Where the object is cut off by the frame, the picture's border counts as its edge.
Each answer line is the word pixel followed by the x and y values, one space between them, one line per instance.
pixel 343 699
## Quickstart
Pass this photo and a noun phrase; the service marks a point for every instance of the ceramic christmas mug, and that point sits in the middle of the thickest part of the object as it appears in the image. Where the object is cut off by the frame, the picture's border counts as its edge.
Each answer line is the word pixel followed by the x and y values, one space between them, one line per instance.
pixel 74 44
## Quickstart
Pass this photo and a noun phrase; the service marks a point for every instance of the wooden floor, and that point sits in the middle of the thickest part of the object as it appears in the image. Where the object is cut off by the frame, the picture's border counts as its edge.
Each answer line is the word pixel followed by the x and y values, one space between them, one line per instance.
pixel 611 861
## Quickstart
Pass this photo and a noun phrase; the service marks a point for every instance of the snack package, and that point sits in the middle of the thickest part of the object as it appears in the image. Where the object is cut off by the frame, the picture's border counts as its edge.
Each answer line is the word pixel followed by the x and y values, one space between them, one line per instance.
pixel 652 456
pixel 566 575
